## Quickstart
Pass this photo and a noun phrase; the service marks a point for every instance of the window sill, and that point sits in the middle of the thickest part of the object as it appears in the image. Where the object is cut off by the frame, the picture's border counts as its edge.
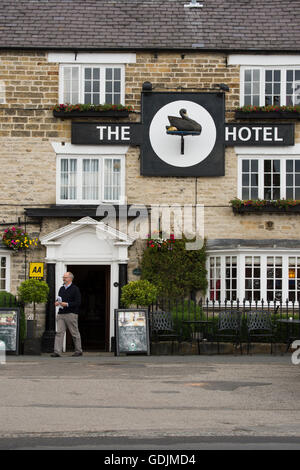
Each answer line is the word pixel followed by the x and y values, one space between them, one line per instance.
pixel 79 114
pixel 268 208
pixel 267 115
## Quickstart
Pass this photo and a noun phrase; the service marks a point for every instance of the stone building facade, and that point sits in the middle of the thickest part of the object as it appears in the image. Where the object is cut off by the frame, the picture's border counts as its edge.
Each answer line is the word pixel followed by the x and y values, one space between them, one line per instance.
pixel 253 255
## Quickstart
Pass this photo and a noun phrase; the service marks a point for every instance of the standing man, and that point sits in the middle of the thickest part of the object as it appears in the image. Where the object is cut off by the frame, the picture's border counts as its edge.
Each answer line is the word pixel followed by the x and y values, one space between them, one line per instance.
pixel 69 300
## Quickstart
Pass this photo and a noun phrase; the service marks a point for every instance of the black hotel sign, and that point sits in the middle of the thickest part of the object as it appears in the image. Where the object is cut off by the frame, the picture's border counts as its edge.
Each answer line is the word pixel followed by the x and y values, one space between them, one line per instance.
pixel 182 134
pixel 97 133
pixel 259 134
pixel 106 133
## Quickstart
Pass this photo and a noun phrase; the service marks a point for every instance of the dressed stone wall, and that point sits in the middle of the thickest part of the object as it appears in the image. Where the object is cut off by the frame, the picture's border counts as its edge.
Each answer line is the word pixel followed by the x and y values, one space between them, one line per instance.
pixel 28 161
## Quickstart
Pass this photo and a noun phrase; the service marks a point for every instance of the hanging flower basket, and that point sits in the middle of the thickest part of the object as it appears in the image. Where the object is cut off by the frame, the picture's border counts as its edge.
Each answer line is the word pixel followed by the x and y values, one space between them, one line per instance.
pixel 159 243
pixel 16 239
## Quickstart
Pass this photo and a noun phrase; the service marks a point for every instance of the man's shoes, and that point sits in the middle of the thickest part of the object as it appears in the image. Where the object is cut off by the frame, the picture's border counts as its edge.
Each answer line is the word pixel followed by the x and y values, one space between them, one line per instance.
pixel 55 355
pixel 77 354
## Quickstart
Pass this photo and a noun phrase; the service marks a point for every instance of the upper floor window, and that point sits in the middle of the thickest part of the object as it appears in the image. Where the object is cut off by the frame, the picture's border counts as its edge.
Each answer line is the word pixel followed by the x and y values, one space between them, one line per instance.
pixel 2 92
pixel 262 86
pixel 92 84
pixel 90 180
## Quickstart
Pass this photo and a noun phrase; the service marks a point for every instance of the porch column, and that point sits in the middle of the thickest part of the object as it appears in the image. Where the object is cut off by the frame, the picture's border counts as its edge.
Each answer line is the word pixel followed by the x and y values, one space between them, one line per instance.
pixel 123 279
pixel 49 333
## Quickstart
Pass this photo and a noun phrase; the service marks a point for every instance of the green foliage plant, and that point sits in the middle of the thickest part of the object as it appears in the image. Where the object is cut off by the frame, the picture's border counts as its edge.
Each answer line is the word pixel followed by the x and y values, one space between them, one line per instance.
pixel 33 291
pixel 138 293
pixel 173 269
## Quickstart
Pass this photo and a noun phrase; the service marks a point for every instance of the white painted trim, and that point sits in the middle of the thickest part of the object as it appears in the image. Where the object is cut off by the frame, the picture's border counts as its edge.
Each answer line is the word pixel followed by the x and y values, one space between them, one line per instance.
pixel 263 60
pixel 92 57
pixel 116 235
pixel 7 255
pixel 284 151
pixel 68 148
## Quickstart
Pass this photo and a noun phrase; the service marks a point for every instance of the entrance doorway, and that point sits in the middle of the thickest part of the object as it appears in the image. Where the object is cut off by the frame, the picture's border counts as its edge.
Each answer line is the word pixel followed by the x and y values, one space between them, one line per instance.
pixel 94 284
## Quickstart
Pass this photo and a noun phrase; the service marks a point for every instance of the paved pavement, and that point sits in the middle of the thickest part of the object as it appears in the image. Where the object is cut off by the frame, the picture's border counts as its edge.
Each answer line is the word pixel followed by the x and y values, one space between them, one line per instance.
pixel 100 401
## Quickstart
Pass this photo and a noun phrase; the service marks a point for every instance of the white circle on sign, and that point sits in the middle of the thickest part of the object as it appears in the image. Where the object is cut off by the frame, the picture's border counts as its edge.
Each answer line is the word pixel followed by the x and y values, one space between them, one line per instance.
pixel 196 147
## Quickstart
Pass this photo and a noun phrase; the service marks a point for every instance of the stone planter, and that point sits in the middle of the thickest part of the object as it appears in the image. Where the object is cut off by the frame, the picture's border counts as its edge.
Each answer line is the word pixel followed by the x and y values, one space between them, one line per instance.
pixel 32 347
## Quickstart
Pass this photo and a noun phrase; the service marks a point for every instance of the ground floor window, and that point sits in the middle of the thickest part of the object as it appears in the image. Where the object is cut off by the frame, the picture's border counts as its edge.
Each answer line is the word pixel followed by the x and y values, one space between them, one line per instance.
pixel 271 277
pixel 4 273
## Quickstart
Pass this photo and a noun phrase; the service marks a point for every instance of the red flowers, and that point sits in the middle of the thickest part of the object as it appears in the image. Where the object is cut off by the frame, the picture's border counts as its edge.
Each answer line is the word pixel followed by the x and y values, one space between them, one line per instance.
pixel 160 243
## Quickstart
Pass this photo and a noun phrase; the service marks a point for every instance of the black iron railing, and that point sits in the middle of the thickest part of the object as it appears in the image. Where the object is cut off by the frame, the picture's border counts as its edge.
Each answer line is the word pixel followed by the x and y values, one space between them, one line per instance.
pixel 184 310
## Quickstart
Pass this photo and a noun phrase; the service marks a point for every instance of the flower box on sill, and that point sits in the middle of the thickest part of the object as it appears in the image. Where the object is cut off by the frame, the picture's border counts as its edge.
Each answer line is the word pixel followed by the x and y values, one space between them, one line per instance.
pixel 267 115
pixel 268 112
pixel 79 114
pixel 259 206
pixel 77 111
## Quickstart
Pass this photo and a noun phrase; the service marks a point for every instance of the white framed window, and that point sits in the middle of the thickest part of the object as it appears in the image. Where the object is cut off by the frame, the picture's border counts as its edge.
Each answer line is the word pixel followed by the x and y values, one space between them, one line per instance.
pixel 254 275
pixel 90 179
pixel 270 85
pixel 2 92
pixel 92 83
pixel 269 177
pixel 4 271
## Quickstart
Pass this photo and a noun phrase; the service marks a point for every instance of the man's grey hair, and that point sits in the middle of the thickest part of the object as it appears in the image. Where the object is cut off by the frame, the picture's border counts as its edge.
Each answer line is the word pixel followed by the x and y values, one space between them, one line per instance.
pixel 71 275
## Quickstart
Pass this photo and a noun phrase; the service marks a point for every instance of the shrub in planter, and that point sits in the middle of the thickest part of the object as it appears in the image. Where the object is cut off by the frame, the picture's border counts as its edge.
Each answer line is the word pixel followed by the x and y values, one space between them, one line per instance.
pixel 33 291
pixel 140 293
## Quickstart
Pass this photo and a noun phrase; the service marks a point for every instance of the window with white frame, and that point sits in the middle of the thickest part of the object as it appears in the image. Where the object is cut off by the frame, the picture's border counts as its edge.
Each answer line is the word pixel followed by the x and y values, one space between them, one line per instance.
pixel 270 277
pixel 4 272
pixel 269 178
pixel 90 179
pixel 2 92
pixel 92 84
pixel 262 86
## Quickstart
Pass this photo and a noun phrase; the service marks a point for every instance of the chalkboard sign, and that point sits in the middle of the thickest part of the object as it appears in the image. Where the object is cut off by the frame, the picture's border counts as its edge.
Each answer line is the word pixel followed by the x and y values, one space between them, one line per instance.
pixel 132 331
pixel 9 329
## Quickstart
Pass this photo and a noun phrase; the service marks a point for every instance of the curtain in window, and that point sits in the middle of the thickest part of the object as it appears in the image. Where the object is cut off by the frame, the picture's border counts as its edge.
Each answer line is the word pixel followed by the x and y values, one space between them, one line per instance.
pixel 71 85
pixel 112 179
pixel 90 179
pixel 68 173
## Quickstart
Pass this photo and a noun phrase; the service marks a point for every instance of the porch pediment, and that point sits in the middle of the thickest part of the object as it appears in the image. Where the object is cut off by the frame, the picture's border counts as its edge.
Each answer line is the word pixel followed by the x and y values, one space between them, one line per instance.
pixel 87 239
pixel 101 230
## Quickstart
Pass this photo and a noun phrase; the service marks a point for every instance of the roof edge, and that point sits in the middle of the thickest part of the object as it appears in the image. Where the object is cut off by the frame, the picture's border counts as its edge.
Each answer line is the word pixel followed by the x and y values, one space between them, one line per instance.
pixel 152 49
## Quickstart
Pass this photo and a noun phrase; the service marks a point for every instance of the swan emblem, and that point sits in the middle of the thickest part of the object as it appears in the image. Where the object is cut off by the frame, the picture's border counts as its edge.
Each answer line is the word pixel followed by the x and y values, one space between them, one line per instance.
pixel 183 123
